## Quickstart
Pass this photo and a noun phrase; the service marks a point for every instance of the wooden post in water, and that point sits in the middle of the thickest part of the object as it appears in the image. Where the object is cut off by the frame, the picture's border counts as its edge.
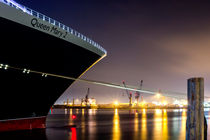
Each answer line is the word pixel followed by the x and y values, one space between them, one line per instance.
pixel 195 113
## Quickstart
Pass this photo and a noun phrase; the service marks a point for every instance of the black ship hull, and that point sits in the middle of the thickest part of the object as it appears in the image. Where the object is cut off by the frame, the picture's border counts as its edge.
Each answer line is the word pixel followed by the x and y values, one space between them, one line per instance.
pixel 30 95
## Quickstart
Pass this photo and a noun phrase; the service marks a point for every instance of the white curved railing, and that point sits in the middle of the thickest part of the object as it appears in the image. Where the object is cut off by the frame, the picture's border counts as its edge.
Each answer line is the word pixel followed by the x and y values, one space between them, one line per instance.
pixel 53 22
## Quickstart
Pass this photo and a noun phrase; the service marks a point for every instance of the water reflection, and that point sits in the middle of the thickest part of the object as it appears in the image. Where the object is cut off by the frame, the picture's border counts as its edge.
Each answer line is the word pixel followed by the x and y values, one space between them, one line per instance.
pixel 92 124
pixel 144 125
pixel 183 124
pixel 116 126
pixel 83 124
pixel 136 125
pixel 36 134
pixel 74 133
pixel 83 112
pixel 165 125
pixel 70 117
pixel 77 111
pixel 70 112
pixel 90 111
pixel 160 124
pixel 157 124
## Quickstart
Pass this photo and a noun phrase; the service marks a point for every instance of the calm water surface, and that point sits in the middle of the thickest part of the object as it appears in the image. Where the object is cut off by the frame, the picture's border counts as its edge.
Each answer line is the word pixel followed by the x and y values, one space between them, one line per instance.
pixel 113 124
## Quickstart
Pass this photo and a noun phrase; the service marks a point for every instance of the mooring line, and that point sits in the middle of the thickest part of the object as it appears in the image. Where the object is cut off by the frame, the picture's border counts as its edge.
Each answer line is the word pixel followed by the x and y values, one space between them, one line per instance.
pixel 178 95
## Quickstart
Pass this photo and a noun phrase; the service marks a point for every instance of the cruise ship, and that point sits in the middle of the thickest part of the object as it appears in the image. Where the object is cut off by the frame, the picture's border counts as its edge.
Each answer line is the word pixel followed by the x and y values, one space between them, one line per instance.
pixel 36 52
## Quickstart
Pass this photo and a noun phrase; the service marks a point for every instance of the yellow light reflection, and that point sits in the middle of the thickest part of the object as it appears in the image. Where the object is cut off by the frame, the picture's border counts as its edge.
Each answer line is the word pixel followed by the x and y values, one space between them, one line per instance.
pixel 157 124
pixel 144 125
pixel 70 117
pixel 158 112
pixel 94 111
pixel 83 124
pixel 83 112
pixel 116 111
pixel 136 126
pixel 70 112
pixel 144 111
pixel 116 126
pixel 90 111
pixel 91 125
pixel 160 124
pixel 77 111
pixel 165 125
pixel 164 112
pixel 65 111
pixel 183 124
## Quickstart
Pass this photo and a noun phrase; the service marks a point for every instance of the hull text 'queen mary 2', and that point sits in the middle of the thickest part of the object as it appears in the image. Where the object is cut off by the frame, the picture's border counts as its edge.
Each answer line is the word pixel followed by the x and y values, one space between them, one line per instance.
pixel 32 47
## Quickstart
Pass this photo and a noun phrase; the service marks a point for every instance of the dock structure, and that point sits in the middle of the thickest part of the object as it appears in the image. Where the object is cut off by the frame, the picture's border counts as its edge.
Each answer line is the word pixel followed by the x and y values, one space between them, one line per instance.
pixel 195 126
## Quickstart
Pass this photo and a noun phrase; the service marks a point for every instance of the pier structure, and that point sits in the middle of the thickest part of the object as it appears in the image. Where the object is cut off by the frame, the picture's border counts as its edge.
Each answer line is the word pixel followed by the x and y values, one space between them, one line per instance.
pixel 196 125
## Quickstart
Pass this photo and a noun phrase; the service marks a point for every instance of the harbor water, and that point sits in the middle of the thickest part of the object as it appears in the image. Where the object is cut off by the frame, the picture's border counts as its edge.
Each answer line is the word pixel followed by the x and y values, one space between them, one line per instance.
pixel 110 124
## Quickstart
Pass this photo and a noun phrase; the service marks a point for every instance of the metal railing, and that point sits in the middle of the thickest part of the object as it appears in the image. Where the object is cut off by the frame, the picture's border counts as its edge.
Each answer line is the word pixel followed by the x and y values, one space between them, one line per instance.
pixel 53 22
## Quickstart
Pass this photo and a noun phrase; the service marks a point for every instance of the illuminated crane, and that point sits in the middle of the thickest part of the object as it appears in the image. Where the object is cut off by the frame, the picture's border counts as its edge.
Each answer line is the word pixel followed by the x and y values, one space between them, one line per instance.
pixel 86 97
pixel 84 101
pixel 138 94
pixel 129 95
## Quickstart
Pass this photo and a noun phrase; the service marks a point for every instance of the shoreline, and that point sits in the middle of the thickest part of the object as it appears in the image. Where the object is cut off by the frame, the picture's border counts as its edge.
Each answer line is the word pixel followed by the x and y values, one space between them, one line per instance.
pixel 116 107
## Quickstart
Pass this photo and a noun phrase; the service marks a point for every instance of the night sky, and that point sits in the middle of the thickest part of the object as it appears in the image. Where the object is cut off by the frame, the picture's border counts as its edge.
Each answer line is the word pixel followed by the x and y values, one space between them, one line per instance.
pixel 163 43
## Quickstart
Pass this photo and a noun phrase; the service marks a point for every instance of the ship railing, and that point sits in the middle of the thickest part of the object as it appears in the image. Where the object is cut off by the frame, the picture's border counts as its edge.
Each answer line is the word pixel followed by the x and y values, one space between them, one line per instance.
pixel 53 22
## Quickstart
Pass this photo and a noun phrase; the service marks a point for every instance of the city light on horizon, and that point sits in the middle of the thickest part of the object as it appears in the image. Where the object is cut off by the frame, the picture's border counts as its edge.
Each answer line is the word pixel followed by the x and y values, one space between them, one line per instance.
pixel 116 103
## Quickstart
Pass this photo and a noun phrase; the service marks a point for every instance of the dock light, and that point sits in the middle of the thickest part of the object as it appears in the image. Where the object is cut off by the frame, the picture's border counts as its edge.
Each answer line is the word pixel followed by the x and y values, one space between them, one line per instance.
pixel 74 117
pixel 143 103
pixel 116 103
pixel 180 105
pixel 164 103
pixel 176 102
pixel 158 111
pixel 185 103
pixel 144 111
pixel 157 95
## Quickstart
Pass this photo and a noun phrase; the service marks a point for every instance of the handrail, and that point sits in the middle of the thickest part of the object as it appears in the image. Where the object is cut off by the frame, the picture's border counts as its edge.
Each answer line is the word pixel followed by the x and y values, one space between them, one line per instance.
pixel 53 22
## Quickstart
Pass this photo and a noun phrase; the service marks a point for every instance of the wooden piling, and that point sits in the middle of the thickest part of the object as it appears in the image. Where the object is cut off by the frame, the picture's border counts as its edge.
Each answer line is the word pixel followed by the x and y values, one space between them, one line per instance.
pixel 195 113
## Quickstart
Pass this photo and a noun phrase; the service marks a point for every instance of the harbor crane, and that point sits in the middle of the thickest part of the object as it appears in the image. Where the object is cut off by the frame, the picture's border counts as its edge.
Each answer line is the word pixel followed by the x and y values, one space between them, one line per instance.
pixel 138 94
pixel 85 100
pixel 86 97
pixel 129 95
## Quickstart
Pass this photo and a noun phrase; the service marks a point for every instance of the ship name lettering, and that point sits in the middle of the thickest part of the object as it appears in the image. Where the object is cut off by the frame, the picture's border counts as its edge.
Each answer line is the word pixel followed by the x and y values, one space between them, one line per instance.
pixel 56 31
pixel 35 23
